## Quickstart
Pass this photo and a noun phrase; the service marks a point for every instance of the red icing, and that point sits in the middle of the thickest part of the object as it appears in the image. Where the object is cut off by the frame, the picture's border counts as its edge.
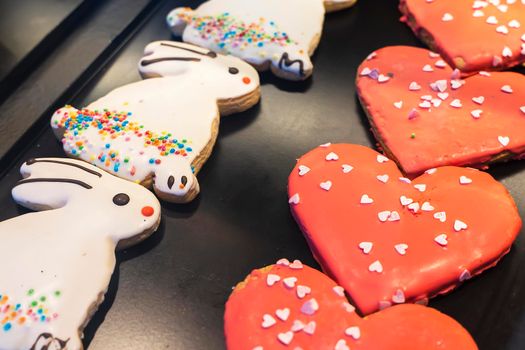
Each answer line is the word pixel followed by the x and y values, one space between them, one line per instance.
pixel 335 223
pixel 397 328
pixel 471 38
pixel 444 135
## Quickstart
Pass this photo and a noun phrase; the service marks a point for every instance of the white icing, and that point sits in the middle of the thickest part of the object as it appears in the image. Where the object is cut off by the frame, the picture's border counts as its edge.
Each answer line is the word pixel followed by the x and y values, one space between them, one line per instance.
pixel 301 20
pixel 69 249
pixel 182 102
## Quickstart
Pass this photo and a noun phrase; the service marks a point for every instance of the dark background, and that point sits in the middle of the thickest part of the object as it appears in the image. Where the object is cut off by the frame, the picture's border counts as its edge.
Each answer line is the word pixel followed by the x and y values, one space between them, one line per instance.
pixel 169 292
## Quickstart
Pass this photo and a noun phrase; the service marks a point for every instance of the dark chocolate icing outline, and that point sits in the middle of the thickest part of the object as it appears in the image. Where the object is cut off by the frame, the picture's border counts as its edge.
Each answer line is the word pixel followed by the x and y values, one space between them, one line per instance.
pixel 93 172
pixel 144 63
pixel 51 179
pixel 210 53
pixel 288 63
pixel 47 336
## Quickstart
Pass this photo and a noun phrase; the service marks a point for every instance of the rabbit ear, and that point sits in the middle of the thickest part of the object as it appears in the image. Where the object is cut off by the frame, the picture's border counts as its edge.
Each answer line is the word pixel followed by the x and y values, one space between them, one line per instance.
pixel 178 18
pixel 59 118
pixel 50 182
pixel 169 58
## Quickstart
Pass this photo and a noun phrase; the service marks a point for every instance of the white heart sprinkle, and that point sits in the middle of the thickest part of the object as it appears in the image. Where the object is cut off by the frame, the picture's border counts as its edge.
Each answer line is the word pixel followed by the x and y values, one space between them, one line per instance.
pixel 303 169
pixel 432 54
pixel 502 29
pixel 283 314
pixel 371 56
pixel 464 180
pixel 478 13
pixel 405 180
pixel 503 8
pixel 431 171
pixel 522 109
pixel 348 307
pixel 294 199
pixel 478 4
pixel 504 140
pixel 425 105
pixel 325 145
pixel 405 201
pixel 341 345
pixel 414 86
pixel 289 282
pixel 383 216
pixel 268 321
pixel 376 267
pixel 366 247
pixel 414 207
pixel 339 291
pixel 427 207
pixel 479 100
pixel 443 95
pixel 447 17
pixel 507 52
pixel 353 332
pixel 420 187
pixel 399 297
pixel 297 326
pixel 302 291
pixel 310 328
pixel 459 225
pixel 507 89
pixel 347 168
pixel 258 348
pixel 441 240
pixel 465 275
pixel 456 103
pixel 523 37
pixel 456 84
pixel 310 307
pixel 398 104
pixel 383 78
pixel 271 279
pixel 436 102
pixel 492 20
pixel 476 113
pixel 366 200
pixel 440 64
pixel 382 178
pixel 441 216
pixel 401 248
pixel 283 262
pixel 326 185
pixel 332 156
pixel 285 338
pixel 514 24
pixel 522 49
pixel 496 61
pixel 296 265
pixel 428 68
pixel 365 71
pixel 384 304
pixel 394 216
pixel 381 158
pixel 439 85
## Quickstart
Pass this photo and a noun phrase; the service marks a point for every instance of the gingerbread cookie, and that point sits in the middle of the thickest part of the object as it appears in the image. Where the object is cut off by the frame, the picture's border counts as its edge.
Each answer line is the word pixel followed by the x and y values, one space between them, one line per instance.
pixel 387 239
pixel 160 131
pixel 280 35
pixel 470 35
pixel 292 306
pixel 424 115
pixel 55 266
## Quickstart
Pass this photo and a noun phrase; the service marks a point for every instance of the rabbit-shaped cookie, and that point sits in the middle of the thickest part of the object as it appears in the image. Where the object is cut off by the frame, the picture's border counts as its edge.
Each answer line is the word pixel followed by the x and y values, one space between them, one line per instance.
pixel 160 131
pixel 280 35
pixel 56 264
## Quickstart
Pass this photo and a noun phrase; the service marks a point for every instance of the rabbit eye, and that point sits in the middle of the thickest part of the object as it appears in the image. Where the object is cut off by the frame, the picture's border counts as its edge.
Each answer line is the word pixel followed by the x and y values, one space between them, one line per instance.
pixel 233 70
pixel 184 180
pixel 171 181
pixel 121 199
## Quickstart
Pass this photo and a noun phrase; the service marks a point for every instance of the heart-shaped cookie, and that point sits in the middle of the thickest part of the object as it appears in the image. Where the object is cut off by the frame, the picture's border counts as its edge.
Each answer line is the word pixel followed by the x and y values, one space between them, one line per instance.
pixel 471 35
pixel 387 239
pixel 292 306
pixel 425 116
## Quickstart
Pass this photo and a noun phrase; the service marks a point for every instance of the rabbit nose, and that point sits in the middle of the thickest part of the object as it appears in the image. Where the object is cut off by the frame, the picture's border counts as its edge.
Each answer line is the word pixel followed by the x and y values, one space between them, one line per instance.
pixel 246 80
pixel 147 211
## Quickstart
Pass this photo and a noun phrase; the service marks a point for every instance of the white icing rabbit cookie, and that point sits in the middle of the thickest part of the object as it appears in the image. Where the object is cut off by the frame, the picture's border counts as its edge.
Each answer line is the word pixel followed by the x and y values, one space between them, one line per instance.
pixel 280 35
pixel 56 264
pixel 160 131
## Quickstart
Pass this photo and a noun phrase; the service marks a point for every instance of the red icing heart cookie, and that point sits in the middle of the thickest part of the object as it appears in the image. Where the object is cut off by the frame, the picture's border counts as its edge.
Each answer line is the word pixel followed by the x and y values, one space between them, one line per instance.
pixel 471 35
pixel 387 239
pixel 424 116
pixel 291 306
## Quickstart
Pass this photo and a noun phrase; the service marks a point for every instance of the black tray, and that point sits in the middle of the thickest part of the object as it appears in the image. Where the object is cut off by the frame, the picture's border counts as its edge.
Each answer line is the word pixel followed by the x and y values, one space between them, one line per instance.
pixel 169 292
